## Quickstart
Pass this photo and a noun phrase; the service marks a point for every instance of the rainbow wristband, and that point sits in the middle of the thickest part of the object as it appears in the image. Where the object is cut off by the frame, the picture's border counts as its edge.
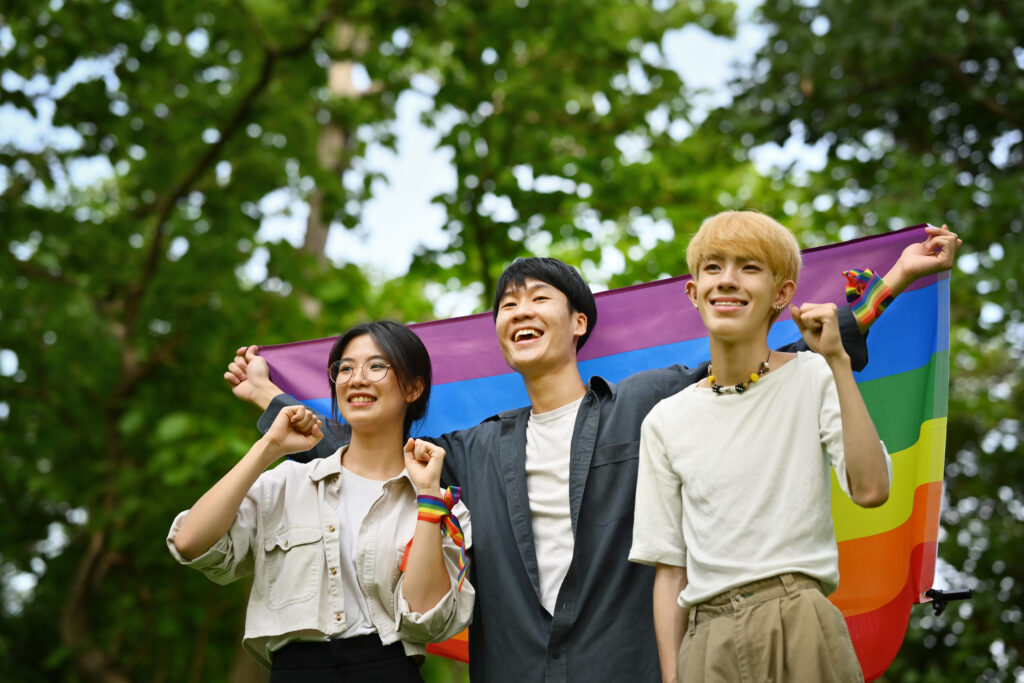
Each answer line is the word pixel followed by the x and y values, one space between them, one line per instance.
pixel 431 509
pixel 439 511
pixel 867 295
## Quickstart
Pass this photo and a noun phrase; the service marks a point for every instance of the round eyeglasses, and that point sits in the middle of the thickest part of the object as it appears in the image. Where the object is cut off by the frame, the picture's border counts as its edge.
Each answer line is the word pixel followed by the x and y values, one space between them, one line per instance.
pixel 342 371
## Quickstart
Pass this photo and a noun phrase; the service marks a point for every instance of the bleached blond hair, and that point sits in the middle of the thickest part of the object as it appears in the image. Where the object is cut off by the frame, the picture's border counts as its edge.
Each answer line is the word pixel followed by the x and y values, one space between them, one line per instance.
pixel 747 234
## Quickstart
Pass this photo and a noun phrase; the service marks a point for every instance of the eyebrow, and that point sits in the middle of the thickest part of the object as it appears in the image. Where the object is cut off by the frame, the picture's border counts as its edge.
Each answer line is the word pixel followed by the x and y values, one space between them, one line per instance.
pixel 377 357
pixel 737 257
pixel 532 288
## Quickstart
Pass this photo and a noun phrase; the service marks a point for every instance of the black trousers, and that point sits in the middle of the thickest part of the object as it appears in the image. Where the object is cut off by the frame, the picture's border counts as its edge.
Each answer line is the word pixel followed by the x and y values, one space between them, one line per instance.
pixel 361 659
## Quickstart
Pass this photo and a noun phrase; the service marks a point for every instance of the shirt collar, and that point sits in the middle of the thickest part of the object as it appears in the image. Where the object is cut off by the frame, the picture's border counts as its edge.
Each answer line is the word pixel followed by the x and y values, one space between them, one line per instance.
pixel 602 387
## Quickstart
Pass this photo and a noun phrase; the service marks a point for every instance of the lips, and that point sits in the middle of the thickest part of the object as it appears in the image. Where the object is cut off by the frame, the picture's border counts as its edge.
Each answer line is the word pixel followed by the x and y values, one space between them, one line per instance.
pixel 526 334
pixel 728 302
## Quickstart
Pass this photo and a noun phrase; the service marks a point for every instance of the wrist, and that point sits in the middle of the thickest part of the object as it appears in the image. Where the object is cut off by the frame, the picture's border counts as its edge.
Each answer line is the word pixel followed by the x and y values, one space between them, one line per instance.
pixel 261 397
pixel 896 279
pixel 839 360
pixel 269 449
pixel 432 490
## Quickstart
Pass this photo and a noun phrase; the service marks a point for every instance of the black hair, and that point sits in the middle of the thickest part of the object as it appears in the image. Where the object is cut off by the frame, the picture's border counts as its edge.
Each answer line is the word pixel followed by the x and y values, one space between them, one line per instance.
pixel 559 275
pixel 403 350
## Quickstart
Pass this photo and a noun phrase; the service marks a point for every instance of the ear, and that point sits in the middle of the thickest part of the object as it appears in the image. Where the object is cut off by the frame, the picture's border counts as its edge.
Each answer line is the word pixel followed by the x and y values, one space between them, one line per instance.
pixel 580 324
pixel 691 291
pixel 786 291
pixel 414 392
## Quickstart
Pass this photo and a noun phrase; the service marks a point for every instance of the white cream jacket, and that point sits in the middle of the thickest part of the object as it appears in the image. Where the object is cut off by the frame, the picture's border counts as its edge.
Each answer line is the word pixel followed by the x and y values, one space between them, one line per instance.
pixel 285 535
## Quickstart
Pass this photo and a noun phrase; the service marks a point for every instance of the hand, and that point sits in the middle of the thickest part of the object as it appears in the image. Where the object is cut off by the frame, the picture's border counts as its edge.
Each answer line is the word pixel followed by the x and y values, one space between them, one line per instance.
pixel 295 429
pixel 936 254
pixel 249 377
pixel 819 326
pixel 423 461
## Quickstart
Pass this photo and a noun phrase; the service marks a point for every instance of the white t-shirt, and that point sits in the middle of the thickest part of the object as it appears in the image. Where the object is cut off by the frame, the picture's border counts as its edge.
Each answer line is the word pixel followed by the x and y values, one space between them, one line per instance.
pixel 736 487
pixel 357 495
pixel 548 451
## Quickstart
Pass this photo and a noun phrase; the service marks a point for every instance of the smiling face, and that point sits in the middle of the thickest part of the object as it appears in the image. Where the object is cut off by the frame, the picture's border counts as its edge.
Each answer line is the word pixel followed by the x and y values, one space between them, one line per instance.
pixel 537 329
pixel 737 296
pixel 366 404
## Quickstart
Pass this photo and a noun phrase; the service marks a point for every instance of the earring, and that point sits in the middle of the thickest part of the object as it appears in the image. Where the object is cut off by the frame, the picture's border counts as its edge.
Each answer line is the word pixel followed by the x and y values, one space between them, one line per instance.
pixel 778 309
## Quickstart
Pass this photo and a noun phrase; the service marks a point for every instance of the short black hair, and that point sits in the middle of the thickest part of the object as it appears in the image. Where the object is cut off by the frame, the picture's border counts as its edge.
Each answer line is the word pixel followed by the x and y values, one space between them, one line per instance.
pixel 403 350
pixel 559 275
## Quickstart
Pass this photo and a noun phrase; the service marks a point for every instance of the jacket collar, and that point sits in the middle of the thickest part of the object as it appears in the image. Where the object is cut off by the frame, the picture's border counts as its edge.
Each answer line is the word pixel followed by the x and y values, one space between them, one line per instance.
pixel 331 465
pixel 325 467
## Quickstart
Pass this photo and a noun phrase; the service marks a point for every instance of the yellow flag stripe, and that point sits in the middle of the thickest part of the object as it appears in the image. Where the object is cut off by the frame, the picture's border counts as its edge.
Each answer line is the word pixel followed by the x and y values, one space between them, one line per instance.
pixel 920 464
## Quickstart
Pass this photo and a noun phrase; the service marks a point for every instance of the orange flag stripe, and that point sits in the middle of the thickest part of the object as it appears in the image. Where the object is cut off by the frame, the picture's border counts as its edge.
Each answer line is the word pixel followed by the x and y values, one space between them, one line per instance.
pixel 456 647
pixel 873 570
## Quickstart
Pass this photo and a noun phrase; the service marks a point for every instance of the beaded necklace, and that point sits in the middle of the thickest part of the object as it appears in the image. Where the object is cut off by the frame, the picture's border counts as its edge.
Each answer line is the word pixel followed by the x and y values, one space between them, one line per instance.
pixel 742 386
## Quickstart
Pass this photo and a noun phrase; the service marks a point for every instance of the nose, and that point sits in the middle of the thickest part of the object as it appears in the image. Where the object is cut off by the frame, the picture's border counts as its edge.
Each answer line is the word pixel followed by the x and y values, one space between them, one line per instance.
pixel 358 376
pixel 728 276
pixel 523 309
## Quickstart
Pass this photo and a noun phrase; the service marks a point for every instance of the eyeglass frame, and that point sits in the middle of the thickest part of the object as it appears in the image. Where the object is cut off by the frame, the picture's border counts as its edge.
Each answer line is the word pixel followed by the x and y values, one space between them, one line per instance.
pixel 333 374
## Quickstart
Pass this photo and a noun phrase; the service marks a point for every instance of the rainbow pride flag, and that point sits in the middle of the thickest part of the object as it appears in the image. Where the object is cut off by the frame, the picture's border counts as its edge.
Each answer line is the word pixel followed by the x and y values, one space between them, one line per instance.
pixel 886 555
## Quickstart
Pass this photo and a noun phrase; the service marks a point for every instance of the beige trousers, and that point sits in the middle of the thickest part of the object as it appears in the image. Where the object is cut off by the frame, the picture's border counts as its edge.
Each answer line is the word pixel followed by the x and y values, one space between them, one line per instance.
pixel 781 629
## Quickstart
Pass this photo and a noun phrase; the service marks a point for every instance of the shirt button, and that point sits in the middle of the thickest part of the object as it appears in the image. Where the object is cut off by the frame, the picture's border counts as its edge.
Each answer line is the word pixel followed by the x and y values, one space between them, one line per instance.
pixel 334 570
pixel 337 616
pixel 556 655
pixel 286 544
pixel 331 529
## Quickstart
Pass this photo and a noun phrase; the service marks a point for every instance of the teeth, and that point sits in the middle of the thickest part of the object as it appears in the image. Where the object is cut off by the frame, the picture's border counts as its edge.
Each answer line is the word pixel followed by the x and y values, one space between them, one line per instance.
pixel 362 399
pixel 729 303
pixel 524 334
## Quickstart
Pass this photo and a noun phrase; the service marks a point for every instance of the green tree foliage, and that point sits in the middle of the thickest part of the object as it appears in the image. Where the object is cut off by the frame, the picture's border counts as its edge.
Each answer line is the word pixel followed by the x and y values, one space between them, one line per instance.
pixel 122 296
pixel 133 266
pixel 920 108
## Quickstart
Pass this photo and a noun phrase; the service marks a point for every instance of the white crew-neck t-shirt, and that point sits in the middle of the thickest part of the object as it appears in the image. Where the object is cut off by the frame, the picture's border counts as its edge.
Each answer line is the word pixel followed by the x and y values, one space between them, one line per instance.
pixel 548 450
pixel 357 495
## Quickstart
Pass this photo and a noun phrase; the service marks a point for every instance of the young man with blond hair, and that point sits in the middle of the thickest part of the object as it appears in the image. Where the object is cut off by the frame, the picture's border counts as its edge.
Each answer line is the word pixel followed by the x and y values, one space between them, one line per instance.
pixel 732 503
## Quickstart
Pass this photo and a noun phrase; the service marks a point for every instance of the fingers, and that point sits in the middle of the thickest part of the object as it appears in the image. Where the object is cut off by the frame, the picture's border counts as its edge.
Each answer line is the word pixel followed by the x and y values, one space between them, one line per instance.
pixel 812 316
pixel 423 451
pixel 239 366
pixel 303 420
pixel 942 240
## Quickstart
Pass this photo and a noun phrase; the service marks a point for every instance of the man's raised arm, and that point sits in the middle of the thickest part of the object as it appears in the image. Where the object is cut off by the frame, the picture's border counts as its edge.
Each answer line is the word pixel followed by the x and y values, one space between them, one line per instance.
pixel 249 377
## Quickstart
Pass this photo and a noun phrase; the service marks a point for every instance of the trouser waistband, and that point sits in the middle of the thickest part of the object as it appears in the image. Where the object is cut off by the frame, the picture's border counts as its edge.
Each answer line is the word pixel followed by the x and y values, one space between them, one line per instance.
pixel 748 594
pixel 340 651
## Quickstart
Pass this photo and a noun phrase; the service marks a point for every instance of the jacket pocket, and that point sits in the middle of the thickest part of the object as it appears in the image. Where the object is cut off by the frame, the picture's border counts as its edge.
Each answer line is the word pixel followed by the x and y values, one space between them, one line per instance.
pixel 293 565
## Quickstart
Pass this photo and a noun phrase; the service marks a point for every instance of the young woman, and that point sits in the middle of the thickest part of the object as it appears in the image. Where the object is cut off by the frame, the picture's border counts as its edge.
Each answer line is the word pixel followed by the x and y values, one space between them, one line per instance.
pixel 352 572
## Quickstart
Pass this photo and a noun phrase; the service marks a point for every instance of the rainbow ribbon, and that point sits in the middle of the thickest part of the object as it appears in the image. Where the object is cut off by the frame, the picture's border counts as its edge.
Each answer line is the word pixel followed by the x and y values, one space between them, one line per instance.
pixel 439 511
pixel 867 295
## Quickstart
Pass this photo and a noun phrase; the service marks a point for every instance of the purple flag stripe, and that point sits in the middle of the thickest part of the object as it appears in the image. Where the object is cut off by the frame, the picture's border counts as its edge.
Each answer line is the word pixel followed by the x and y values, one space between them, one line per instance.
pixel 631 318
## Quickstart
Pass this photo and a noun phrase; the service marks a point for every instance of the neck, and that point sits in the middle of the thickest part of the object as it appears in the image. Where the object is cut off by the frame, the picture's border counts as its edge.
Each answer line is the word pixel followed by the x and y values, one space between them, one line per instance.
pixel 376 454
pixel 553 389
pixel 733 361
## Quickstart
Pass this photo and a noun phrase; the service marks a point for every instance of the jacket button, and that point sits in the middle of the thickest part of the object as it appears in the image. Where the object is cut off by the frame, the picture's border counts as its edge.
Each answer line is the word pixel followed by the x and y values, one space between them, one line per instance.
pixel 286 544
pixel 337 616
pixel 334 570
pixel 556 655
pixel 331 529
